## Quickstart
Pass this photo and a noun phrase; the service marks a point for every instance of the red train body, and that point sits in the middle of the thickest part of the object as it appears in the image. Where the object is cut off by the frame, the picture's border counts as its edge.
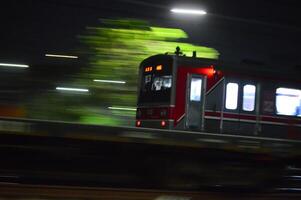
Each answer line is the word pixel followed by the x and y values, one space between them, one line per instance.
pixel 189 93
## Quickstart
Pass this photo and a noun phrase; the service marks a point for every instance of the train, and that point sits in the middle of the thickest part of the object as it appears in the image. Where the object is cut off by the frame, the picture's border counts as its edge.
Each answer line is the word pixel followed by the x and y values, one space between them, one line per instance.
pixel 177 92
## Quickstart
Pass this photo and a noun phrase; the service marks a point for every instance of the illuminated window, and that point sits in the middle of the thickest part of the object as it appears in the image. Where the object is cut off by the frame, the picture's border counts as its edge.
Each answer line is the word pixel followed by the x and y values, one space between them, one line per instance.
pixel 288 102
pixel 167 81
pixel 231 96
pixel 195 89
pixel 248 102
pixel 161 83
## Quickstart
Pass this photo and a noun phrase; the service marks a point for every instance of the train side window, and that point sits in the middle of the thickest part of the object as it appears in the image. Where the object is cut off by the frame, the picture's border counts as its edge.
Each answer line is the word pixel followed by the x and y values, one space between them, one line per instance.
pixel 249 94
pixel 231 96
pixel 288 102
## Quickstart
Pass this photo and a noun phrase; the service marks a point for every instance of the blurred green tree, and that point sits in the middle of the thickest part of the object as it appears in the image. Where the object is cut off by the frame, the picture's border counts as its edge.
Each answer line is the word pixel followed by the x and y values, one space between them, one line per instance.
pixel 114 52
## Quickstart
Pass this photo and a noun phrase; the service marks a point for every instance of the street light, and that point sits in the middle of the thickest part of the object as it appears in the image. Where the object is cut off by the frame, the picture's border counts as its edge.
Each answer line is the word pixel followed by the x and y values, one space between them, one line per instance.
pixel 188 11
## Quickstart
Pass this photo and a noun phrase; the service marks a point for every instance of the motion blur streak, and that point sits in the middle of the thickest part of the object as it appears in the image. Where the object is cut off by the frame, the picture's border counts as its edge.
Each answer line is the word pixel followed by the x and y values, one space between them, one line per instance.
pixel 113 51
pixel 121 108
pixel 13 65
pixel 60 56
pixel 109 81
pixel 72 89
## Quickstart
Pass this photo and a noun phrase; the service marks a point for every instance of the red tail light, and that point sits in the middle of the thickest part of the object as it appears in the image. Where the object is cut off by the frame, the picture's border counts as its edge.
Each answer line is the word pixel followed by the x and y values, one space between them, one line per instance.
pixel 163 123
pixel 138 123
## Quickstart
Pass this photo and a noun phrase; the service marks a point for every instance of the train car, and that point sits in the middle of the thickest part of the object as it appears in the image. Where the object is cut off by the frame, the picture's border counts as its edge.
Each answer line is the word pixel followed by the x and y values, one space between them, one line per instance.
pixel 206 95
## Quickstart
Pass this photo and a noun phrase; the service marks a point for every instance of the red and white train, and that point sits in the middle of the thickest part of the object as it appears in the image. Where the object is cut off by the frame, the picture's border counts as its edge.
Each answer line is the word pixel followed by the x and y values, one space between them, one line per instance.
pixel 197 94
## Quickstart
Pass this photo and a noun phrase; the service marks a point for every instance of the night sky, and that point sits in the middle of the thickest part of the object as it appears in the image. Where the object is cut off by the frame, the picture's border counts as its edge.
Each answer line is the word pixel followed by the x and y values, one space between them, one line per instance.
pixel 267 31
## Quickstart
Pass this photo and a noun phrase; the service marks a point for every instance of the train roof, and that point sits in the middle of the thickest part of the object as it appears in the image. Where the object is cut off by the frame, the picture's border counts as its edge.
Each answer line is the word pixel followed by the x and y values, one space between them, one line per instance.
pixel 247 68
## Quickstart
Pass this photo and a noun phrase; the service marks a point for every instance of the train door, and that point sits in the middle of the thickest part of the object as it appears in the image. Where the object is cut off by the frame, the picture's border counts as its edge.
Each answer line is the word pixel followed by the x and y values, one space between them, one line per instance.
pixel 195 101
pixel 248 109
pixel 230 116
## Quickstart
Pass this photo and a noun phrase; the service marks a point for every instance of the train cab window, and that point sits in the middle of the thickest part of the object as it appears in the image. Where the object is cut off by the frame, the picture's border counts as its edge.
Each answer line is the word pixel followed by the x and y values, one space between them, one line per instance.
pixel 248 101
pixel 288 102
pixel 155 81
pixel 231 96
pixel 161 83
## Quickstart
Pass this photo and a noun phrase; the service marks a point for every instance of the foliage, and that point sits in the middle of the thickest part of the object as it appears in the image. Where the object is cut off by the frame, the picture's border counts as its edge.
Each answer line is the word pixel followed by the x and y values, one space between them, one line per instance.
pixel 114 51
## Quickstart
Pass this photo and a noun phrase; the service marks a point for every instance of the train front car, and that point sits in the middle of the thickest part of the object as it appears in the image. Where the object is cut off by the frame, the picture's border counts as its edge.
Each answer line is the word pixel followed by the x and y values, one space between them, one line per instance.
pixel 172 91
pixel 197 94
pixel 155 89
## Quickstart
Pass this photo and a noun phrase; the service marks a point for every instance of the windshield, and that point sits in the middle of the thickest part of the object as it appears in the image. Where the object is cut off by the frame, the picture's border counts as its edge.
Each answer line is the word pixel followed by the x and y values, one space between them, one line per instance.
pixel 156 83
